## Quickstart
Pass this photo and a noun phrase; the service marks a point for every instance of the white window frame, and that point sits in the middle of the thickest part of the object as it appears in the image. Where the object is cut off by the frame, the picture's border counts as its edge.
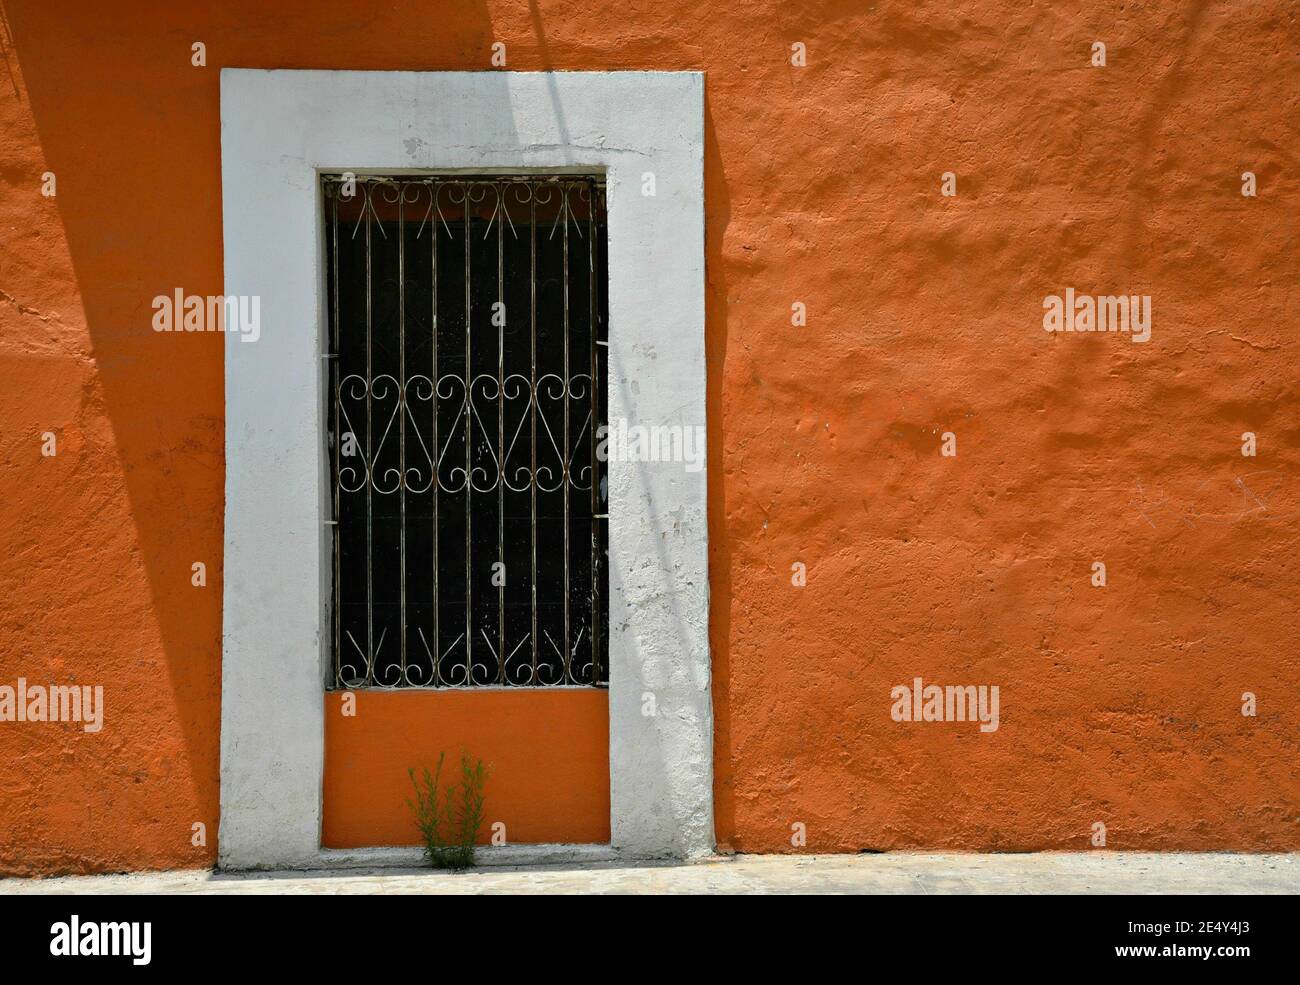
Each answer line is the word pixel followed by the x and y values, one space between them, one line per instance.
pixel 279 131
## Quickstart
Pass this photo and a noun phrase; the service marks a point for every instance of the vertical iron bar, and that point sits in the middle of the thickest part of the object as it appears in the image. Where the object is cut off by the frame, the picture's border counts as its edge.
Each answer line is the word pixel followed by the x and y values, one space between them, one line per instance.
pixel 532 408
pixel 594 635
pixel 469 474
pixel 401 413
pixel 568 382
pixel 433 400
pixel 335 375
pixel 370 464
pixel 501 428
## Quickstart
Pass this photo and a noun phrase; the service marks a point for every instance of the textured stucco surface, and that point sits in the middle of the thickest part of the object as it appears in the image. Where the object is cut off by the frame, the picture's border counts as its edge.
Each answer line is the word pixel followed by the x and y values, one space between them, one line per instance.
pixel 822 185
pixel 547 756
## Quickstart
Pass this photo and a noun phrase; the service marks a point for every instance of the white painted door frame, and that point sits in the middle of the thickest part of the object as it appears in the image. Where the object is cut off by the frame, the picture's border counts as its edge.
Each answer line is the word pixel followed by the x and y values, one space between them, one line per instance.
pixel 279 131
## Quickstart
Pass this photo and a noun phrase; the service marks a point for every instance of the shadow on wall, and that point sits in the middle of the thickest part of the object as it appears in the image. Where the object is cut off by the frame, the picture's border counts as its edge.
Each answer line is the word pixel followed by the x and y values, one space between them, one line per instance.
pixel 131 129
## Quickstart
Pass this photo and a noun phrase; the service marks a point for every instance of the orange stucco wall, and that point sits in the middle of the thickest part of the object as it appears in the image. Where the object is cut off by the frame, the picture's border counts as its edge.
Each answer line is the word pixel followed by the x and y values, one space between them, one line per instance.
pixel 1119 704
pixel 547 756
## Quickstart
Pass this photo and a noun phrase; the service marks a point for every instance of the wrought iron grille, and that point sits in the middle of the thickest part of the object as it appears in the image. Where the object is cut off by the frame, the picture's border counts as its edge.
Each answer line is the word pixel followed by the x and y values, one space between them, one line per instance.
pixel 467 321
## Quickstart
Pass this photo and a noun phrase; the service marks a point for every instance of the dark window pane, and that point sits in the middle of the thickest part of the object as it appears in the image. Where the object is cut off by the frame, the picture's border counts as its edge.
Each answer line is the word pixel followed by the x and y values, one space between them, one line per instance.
pixel 466 399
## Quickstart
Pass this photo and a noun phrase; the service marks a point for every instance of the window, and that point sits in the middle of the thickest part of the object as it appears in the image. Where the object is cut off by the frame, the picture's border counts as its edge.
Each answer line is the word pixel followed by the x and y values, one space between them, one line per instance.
pixel 467 340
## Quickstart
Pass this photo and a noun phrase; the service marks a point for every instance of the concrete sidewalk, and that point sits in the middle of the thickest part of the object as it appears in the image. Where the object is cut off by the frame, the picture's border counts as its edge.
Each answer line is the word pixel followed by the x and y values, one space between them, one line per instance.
pixel 1099 872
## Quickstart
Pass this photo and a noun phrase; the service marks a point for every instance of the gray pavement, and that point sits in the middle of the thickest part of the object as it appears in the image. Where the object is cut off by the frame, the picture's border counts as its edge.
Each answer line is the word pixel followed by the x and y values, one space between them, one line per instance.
pixel 921 873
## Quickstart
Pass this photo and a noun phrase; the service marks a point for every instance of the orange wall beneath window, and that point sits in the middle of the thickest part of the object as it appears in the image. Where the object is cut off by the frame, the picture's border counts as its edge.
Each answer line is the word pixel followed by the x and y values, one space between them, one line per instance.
pixel 822 185
pixel 547 752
